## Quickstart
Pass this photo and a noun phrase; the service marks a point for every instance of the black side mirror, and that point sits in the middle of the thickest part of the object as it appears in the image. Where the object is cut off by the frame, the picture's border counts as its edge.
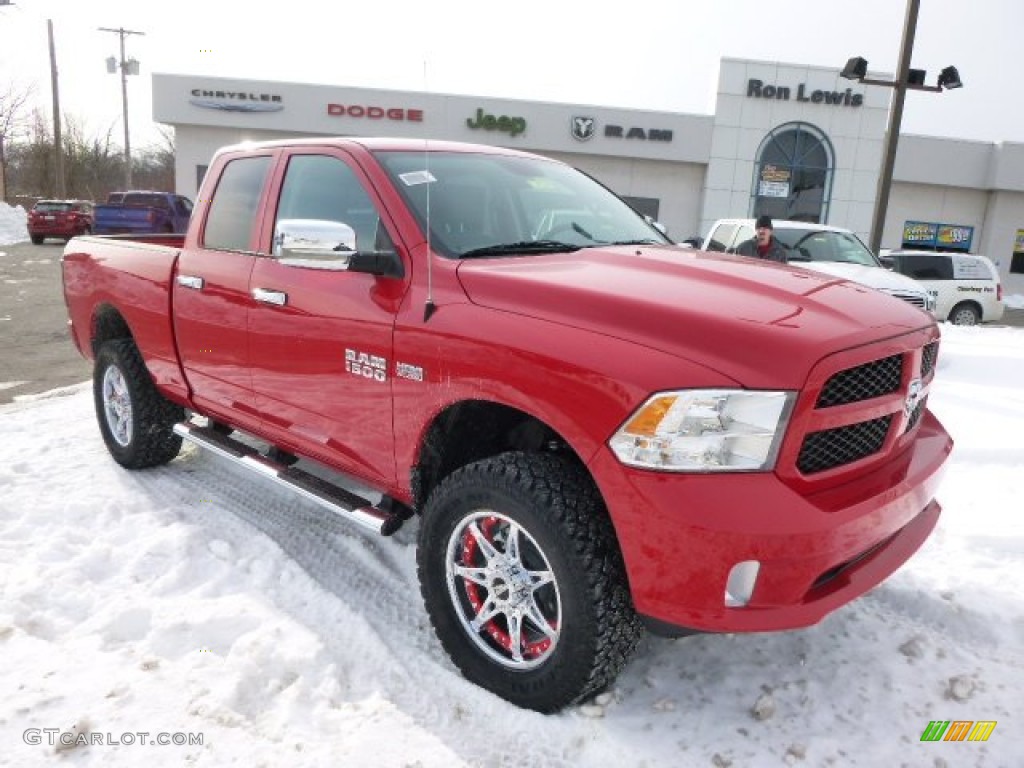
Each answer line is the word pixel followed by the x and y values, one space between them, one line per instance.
pixel 382 263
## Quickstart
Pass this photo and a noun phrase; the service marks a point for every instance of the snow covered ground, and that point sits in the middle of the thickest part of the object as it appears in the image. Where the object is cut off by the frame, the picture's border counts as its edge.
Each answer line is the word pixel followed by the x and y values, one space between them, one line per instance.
pixel 196 600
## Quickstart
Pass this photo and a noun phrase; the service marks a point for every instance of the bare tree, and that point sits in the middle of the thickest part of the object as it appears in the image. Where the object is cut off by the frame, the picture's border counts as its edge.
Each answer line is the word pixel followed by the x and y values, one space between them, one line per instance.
pixel 14 115
pixel 153 168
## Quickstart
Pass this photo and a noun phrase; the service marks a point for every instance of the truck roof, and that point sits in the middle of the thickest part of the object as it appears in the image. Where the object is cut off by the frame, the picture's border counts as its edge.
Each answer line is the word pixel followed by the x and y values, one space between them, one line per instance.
pixel 374 144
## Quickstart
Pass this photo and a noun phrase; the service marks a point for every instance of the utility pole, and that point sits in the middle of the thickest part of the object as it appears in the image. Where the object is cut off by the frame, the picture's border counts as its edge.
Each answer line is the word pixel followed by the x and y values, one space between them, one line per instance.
pixel 892 136
pixel 58 148
pixel 127 67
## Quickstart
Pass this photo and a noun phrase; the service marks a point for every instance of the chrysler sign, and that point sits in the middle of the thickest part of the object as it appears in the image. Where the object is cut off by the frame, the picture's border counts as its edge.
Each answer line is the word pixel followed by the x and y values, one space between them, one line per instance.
pixel 236 101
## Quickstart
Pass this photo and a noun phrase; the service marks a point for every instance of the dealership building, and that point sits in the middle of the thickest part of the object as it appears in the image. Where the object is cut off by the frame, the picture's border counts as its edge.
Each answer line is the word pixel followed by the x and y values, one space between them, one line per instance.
pixel 797 142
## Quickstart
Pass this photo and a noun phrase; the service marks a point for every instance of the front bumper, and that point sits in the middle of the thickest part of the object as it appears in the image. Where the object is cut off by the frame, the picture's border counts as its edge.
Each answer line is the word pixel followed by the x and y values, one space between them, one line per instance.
pixel 681 534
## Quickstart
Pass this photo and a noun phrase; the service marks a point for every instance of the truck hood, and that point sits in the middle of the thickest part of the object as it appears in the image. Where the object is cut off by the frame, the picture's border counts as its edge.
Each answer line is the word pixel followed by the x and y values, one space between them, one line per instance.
pixel 759 323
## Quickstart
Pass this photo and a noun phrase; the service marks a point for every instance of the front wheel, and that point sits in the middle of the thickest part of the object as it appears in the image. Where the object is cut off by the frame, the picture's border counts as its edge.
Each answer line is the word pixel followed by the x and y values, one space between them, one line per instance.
pixel 523 580
pixel 135 420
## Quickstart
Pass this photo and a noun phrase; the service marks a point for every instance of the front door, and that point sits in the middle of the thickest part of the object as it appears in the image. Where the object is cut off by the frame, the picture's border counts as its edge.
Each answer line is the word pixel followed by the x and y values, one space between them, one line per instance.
pixel 321 339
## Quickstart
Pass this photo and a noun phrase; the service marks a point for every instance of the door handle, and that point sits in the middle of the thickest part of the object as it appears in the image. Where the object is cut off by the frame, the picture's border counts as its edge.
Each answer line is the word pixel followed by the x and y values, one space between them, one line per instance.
pixel 190 281
pixel 278 298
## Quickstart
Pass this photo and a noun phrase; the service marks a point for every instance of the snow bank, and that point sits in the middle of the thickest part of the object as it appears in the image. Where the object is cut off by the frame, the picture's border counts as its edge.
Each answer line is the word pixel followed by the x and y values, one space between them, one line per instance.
pixel 13 228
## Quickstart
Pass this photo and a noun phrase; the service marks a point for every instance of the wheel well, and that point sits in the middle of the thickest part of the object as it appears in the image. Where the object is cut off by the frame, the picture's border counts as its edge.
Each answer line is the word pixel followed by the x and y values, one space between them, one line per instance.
pixel 473 430
pixel 108 324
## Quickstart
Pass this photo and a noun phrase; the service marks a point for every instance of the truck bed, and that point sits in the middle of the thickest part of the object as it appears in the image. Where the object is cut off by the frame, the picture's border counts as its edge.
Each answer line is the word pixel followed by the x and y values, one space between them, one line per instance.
pixel 101 271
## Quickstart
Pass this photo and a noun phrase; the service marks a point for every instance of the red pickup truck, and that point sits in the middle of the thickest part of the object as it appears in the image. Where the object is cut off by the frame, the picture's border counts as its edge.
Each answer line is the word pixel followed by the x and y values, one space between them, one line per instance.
pixel 599 431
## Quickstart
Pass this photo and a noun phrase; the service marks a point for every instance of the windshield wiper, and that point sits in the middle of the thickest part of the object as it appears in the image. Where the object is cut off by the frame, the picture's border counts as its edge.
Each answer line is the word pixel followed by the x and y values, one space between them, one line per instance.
pixel 523 246
pixel 644 241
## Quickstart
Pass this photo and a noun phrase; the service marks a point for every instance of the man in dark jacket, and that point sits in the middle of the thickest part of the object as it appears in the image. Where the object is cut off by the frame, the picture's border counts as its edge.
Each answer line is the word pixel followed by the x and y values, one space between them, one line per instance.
pixel 763 244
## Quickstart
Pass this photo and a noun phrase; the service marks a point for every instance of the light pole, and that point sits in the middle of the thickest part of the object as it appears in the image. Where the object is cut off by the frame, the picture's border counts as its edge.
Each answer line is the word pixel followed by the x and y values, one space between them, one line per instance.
pixel 906 79
pixel 129 67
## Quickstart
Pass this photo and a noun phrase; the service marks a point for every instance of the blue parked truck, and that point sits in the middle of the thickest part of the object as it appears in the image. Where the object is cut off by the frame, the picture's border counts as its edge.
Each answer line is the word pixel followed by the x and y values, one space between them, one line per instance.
pixel 142 213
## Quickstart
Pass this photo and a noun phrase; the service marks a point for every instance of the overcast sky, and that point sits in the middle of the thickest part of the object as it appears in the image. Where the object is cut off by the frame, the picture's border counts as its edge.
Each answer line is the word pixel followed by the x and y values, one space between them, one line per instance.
pixel 660 54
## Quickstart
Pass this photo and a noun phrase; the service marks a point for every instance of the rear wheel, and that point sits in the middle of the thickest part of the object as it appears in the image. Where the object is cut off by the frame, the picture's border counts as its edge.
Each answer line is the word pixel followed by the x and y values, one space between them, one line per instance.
pixel 37 239
pixel 524 582
pixel 135 420
pixel 965 314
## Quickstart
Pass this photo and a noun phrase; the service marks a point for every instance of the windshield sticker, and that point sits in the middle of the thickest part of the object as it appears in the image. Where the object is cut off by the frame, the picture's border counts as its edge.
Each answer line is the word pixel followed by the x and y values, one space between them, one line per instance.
pixel 414 178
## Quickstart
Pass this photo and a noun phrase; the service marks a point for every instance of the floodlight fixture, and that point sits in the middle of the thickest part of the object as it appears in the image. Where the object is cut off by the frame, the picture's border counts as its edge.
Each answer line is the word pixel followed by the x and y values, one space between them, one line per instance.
pixel 949 78
pixel 855 69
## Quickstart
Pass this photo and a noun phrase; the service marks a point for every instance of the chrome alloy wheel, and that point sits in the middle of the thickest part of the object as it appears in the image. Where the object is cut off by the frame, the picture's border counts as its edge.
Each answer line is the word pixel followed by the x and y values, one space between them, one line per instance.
pixel 117 405
pixel 503 590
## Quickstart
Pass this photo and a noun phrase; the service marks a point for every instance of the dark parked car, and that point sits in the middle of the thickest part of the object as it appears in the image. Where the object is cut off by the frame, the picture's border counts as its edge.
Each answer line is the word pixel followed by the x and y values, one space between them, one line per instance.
pixel 59 218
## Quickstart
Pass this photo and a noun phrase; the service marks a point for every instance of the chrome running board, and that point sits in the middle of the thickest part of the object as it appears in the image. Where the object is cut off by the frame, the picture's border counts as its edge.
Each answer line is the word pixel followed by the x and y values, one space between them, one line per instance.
pixel 333 497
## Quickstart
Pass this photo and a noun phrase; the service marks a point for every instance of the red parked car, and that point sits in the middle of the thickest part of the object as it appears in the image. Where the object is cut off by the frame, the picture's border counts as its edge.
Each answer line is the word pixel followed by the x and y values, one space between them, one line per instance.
pixel 59 218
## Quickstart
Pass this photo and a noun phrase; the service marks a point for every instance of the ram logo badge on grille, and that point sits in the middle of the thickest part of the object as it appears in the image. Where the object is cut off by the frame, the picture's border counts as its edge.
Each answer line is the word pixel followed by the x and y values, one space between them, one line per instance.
pixel 913 397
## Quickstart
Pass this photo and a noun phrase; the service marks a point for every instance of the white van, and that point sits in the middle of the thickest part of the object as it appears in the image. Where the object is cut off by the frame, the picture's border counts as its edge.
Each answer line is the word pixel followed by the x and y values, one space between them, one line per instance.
pixel 965 286
pixel 822 248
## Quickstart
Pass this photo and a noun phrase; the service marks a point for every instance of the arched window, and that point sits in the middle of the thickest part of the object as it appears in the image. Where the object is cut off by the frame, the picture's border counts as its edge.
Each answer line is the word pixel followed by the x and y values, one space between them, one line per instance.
pixel 793 174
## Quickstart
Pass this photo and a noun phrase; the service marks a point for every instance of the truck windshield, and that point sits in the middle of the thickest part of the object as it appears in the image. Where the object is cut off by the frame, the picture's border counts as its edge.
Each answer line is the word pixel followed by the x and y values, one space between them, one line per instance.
pixel 496 205
pixel 824 245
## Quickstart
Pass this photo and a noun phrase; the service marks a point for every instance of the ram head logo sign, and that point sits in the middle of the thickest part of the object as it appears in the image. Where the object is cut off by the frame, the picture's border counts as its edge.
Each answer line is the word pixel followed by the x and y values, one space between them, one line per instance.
pixel 582 128
pixel 914 396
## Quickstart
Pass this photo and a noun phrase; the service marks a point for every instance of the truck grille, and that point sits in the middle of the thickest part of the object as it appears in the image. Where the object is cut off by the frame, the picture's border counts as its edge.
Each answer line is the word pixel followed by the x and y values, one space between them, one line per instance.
pixel 928 356
pixel 843 445
pixel 874 379
pixel 860 410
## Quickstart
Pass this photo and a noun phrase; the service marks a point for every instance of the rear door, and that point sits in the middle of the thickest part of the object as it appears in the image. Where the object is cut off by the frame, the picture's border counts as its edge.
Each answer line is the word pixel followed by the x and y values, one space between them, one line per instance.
pixel 321 339
pixel 211 290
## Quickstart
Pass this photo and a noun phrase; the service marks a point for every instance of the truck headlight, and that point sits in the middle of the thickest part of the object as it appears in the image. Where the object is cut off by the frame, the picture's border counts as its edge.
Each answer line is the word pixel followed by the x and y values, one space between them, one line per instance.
pixel 705 430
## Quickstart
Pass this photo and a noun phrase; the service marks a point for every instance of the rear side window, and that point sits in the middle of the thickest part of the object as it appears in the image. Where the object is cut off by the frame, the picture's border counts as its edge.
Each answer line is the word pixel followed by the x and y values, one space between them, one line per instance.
pixel 743 233
pixel 720 238
pixel 926 267
pixel 152 201
pixel 970 269
pixel 232 213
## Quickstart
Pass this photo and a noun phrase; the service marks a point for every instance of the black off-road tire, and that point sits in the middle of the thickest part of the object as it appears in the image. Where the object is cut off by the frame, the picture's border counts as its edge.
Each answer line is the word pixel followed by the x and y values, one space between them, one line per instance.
pixel 37 239
pixel 557 506
pixel 148 439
